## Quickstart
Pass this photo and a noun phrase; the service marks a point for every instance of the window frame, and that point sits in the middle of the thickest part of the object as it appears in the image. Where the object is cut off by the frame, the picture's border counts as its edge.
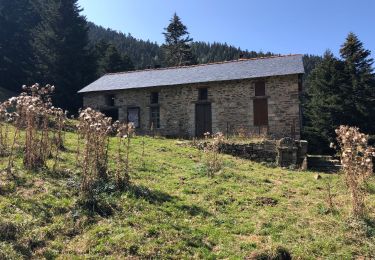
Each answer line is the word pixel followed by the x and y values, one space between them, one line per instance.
pixel 202 97
pixel 152 97
pixel 138 114
pixel 260 88
pixel 110 100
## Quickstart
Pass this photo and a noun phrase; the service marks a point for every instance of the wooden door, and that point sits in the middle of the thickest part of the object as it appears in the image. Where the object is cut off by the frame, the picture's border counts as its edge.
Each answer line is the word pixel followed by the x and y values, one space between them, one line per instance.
pixel 260 112
pixel 203 119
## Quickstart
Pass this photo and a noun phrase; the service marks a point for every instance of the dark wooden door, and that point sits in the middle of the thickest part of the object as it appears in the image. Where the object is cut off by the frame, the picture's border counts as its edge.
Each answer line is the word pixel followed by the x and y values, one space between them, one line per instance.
pixel 203 119
pixel 260 112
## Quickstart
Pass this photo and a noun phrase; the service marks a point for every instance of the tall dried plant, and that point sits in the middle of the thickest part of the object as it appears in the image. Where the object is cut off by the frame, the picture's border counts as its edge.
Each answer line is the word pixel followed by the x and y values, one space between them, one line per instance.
pixel 93 130
pixel 211 151
pixel 125 132
pixel 32 111
pixel 356 159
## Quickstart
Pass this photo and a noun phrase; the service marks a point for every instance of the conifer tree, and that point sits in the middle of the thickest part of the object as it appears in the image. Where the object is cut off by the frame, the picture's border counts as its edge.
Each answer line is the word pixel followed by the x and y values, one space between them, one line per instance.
pixel 325 109
pixel 358 66
pixel 61 49
pixel 17 19
pixel 177 47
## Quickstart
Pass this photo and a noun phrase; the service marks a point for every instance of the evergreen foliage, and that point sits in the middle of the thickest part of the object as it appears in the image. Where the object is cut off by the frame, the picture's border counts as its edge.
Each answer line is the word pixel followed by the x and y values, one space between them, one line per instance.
pixel 177 47
pixel 340 92
pixel 17 18
pixel 325 106
pixel 359 68
pixel 60 45
pixel 142 53
pixel 109 59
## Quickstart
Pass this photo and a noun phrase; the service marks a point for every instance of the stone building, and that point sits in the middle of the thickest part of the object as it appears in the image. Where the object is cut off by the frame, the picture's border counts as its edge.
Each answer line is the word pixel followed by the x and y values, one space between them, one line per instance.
pixel 248 96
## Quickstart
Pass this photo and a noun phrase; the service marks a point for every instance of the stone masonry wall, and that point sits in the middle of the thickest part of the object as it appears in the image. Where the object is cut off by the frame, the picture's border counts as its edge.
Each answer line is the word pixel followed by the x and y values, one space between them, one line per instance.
pixel 231 101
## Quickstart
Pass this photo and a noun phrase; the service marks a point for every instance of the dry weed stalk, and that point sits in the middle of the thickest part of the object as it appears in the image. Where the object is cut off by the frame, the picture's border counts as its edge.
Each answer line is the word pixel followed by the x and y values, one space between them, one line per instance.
pixel 211 151
pixel 356 159
pixel 32 111
pixel 93 129
pixel 125 132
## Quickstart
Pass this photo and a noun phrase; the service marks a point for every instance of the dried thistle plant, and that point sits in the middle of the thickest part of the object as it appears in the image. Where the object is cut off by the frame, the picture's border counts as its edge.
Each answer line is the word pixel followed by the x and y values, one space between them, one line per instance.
pixel 125 132
pixel 93 129
pixel 32 111
pixel 211 151
pixel 356 159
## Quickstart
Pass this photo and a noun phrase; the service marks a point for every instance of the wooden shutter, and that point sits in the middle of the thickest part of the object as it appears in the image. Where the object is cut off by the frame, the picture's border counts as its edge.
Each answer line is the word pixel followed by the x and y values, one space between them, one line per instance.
pixel 260 112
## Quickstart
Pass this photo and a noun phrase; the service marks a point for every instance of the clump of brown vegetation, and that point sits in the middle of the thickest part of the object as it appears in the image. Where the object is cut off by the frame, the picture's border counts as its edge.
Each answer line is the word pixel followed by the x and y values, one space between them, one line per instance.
pixel 356 159
pixel 125 132
pixel 93 130
pixel 33 112
pixel 212 152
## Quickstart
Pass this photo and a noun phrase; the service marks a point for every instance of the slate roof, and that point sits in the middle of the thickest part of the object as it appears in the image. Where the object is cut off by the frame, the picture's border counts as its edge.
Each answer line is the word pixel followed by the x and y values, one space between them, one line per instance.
pixel 221 71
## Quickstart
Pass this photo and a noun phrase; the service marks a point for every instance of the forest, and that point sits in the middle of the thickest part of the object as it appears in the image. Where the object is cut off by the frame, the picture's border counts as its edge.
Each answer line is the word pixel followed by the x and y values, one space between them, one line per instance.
pixel 51 42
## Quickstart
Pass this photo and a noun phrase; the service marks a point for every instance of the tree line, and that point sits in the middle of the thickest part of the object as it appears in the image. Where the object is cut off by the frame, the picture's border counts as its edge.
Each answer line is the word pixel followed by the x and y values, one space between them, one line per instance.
pixel 51 42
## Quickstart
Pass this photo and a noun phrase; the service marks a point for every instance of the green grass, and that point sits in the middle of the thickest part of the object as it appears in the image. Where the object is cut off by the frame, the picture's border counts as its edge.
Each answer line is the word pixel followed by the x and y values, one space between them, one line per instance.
pixel 173 210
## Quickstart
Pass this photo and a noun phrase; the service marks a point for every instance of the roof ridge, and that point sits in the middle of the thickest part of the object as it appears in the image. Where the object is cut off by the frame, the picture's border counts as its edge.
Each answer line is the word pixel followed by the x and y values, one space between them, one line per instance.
pixel 204 64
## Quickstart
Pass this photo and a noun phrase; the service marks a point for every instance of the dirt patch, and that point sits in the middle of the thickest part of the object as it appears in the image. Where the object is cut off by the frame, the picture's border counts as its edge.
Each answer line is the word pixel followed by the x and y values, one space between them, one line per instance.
pixel 265 201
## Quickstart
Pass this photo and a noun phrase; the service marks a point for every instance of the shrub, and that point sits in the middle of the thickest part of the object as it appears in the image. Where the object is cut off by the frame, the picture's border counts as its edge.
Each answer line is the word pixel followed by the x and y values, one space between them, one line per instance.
pixel 211 151
pixel 356 159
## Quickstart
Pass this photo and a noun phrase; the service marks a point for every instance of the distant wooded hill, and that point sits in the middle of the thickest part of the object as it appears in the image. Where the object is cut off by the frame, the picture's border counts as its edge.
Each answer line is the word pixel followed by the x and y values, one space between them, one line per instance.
pixel 146 54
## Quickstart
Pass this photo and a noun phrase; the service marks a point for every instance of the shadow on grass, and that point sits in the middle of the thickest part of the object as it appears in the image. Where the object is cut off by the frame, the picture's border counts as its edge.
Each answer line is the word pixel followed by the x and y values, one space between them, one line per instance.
pixel 151 196
pixel 158 197
pixel 194 210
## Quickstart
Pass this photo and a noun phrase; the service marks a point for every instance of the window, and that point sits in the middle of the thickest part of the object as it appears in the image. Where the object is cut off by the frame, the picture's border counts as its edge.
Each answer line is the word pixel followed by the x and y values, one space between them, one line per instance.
pixel 154 98
pixel 260 112
pixel 133 116
pixel 260 88
pixel 155 117
pixel 202 94
pixel 111 112
pixel 110 100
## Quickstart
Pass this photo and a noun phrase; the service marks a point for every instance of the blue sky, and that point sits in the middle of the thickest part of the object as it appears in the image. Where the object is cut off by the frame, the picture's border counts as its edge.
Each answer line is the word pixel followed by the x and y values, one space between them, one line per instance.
pixel 279 26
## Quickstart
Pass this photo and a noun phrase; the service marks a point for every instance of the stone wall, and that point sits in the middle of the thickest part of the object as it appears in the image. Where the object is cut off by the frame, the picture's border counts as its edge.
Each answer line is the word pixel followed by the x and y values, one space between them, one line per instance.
pixel 231 101
pixel 283 154
pixel 260 152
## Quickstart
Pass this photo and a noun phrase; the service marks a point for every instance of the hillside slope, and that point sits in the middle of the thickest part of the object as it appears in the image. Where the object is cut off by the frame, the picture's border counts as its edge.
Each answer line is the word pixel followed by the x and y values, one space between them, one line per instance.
pixel 173 210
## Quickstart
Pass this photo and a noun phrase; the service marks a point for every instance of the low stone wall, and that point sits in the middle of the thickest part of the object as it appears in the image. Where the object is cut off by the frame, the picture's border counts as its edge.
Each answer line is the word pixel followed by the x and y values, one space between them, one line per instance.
pixel 261 152
pixel 284 152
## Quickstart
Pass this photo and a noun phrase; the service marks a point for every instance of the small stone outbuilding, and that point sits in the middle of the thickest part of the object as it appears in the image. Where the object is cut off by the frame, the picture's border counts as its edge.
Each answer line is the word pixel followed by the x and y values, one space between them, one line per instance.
pixel 252 96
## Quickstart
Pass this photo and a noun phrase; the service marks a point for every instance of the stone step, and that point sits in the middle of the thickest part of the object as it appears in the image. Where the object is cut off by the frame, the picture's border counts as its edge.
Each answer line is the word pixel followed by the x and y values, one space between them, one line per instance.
pixel 324 163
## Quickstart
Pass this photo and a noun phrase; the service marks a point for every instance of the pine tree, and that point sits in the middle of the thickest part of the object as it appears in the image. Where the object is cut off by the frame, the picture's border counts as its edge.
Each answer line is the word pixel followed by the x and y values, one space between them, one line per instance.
pixel 177 47
pixel 358 66
pixel 17 18
pixel 61 49
pixel 326 108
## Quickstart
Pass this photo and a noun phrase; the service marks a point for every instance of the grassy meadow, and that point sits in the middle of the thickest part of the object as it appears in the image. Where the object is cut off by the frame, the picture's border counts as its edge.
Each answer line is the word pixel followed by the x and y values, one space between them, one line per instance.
pixel 172 210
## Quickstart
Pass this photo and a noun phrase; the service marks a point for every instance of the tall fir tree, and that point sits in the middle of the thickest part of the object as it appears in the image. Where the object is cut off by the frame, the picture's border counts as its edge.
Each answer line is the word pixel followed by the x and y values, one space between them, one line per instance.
pixel 326 108
pixel 61 49
pixel 17 19
pixel 358 66
pixel 177 47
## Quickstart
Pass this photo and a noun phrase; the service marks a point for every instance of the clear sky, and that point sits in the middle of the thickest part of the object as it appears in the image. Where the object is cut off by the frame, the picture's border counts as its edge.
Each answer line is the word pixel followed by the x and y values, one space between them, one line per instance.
pixel 279 26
